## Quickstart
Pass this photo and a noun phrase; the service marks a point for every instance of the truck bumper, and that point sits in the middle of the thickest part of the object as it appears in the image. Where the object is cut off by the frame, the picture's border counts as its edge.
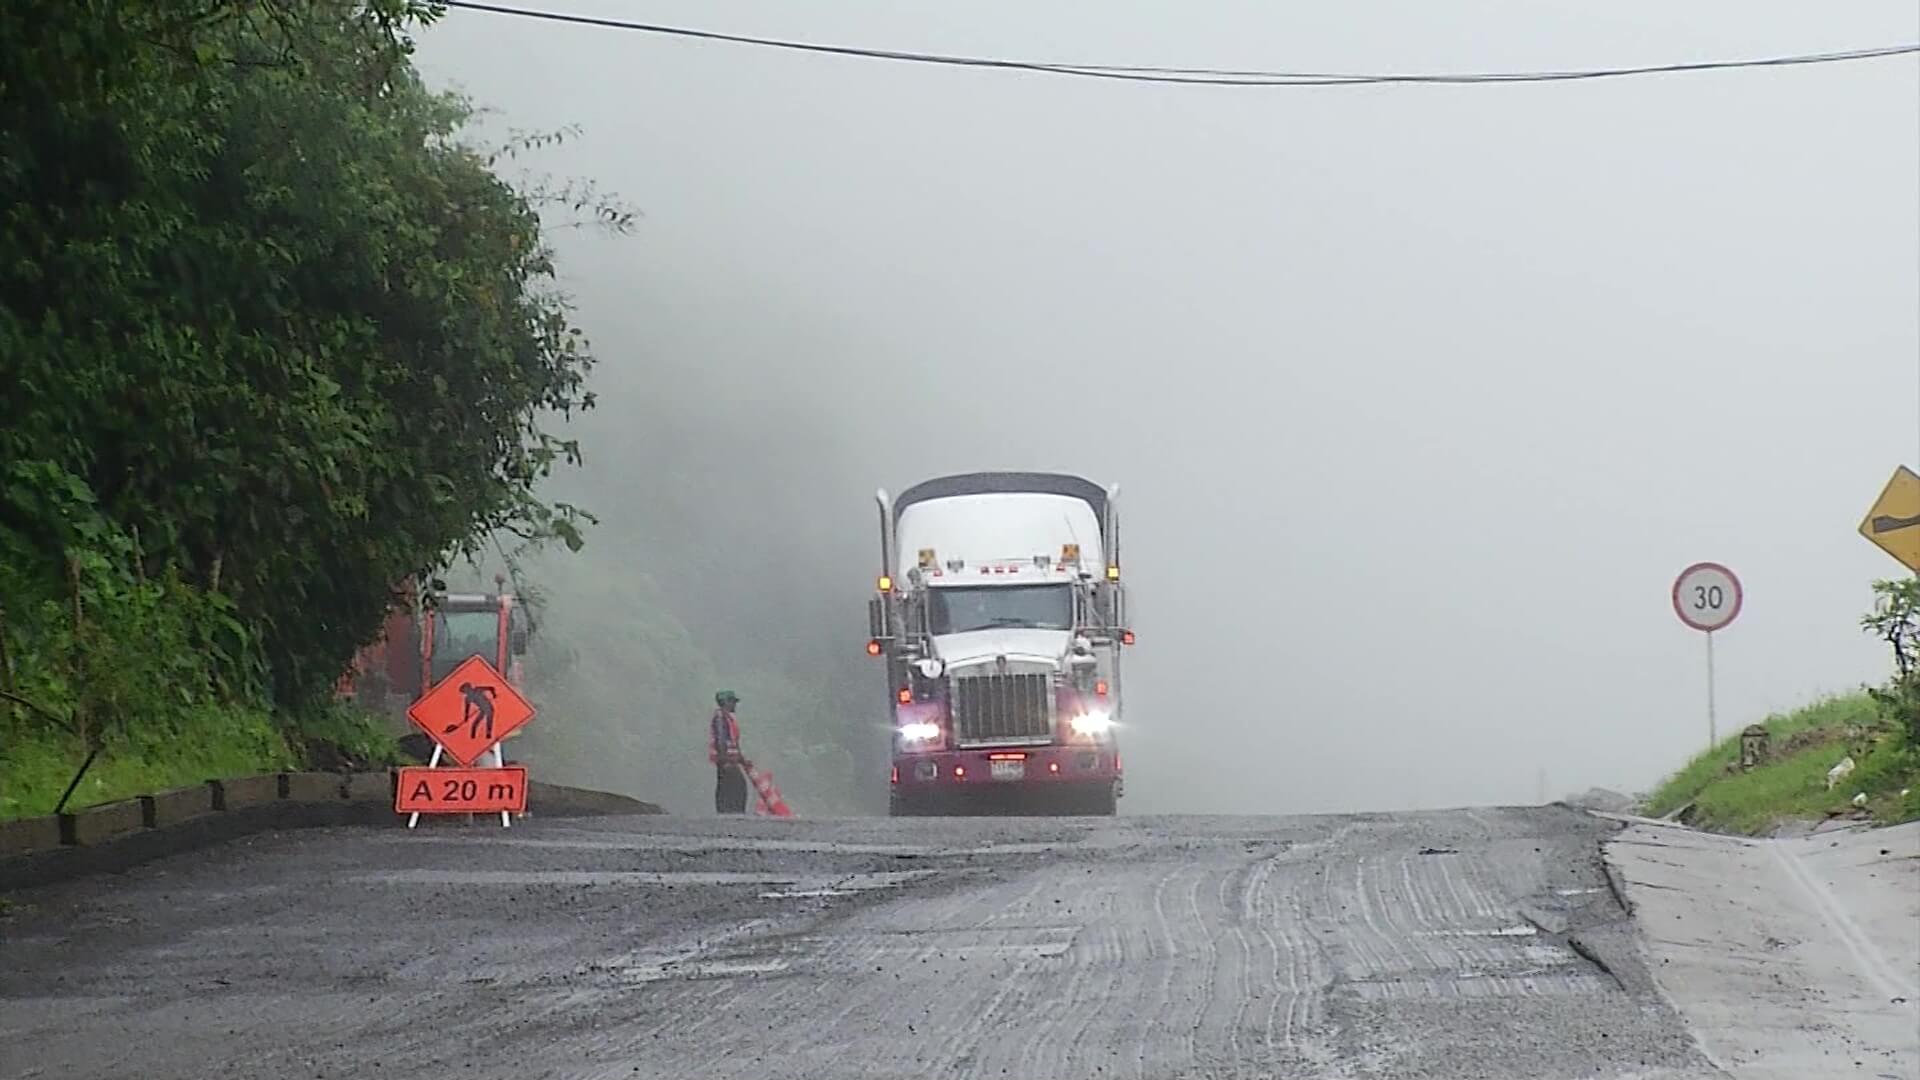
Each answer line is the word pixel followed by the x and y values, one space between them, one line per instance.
pixel 986 768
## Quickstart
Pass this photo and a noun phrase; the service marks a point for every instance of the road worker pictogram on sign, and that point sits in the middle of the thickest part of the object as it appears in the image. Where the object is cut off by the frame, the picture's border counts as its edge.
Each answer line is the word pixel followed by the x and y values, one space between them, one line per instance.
pixel 470 711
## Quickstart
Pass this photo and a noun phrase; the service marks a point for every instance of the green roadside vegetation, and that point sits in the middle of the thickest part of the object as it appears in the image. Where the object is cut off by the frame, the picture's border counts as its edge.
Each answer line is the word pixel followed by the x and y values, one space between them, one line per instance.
pixel 275 338
pixel 216 741
pixel 1792 783
pixel 1878 729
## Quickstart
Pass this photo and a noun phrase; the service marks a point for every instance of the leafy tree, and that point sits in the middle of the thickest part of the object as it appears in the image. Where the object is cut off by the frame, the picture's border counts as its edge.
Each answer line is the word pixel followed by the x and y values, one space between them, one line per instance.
pixel 273 333
pixel 272 337
pixel 1896 620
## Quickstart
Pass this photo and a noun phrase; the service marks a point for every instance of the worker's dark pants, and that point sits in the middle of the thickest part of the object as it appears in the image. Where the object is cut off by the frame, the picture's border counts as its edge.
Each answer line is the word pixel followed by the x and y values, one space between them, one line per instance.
pixel 729 790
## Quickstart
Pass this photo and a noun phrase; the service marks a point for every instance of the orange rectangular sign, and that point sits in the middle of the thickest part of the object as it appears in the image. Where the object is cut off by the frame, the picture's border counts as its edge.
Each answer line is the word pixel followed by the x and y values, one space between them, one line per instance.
pixel 460 791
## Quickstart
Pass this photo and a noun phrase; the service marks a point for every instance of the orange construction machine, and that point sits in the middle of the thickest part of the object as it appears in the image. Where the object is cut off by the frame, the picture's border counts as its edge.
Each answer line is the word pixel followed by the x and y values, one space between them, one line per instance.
pixel 426 636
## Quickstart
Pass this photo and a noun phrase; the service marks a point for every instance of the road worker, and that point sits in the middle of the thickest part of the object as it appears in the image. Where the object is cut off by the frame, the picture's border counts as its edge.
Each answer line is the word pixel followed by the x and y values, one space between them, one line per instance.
pixel 723 749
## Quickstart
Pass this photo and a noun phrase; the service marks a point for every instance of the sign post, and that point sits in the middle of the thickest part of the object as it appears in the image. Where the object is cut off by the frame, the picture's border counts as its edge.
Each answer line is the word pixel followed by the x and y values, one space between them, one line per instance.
pixel 468 715
pixel 1707 597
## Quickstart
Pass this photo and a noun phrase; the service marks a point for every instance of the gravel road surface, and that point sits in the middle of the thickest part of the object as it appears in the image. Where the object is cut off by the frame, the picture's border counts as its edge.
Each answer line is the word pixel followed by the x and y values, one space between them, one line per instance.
pixel 1482 943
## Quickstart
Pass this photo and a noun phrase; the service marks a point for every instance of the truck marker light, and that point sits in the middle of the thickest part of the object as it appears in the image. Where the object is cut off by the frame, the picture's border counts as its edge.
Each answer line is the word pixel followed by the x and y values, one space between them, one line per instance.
pixel 959 772
pixel 1053 766
pixel 885 583
pixel 1113 573
pixel 1007 757
pixel 895 778
pixel 906 696
pixel 873 648
pixel 1126 637
pixel 1100 688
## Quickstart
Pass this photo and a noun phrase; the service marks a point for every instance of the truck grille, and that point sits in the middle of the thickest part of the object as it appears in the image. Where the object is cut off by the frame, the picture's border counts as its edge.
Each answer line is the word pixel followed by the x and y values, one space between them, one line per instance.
pixel 1003 708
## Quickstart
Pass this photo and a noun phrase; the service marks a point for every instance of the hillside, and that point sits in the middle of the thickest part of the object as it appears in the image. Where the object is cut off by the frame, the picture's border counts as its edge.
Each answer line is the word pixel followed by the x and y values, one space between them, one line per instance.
pixel 1713 792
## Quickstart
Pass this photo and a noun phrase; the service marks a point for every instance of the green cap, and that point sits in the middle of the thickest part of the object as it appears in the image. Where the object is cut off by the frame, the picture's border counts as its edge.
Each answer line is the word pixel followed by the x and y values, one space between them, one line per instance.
pixel 726 697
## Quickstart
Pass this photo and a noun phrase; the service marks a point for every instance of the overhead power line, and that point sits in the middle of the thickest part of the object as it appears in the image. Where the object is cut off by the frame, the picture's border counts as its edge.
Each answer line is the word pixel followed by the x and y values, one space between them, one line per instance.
pixel 1194 76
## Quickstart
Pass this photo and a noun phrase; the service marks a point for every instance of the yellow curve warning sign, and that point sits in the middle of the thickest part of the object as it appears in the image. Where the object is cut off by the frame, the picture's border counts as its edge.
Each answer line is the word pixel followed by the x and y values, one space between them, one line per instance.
pixel 1894 521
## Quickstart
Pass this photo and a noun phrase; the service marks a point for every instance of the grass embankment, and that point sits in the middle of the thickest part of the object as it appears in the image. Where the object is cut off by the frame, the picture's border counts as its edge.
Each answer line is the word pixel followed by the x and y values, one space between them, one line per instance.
pixel 37 766
pixel 1792 783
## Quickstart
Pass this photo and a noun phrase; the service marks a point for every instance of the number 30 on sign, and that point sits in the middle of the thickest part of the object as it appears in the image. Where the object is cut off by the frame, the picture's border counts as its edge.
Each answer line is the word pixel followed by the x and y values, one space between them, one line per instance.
pixel 1707 596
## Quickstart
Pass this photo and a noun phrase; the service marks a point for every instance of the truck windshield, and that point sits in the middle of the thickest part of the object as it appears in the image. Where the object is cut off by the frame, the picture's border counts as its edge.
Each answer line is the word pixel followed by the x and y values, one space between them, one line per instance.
pixel 460 634
pixel 1038 607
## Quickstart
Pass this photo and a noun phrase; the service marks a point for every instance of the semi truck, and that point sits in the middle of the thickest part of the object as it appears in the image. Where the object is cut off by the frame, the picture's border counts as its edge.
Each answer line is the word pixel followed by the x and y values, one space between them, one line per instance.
pixel 1000 615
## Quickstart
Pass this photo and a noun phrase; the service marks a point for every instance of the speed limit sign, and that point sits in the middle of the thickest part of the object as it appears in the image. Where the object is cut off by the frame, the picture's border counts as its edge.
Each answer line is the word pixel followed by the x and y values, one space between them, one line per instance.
pixel 1707 596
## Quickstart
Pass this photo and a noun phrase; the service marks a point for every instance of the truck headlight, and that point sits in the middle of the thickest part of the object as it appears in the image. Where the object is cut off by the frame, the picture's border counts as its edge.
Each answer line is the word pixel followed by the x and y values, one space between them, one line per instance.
pixel 1094 722
pixel 922 732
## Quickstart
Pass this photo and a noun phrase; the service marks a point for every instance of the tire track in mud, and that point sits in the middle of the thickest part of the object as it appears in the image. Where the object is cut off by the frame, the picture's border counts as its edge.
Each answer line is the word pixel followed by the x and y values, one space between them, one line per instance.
pixel 1162 955
pixel 1287 940
pixel 1311 966
pixel 1209 963
pixel 964 1041
pixel 1234 890
pixel 1093 965
pixel 778 966
pixel 1102 1001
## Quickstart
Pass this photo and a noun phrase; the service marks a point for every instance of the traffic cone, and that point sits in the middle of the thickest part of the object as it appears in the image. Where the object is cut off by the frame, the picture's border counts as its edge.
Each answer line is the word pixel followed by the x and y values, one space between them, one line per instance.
pixel 770 801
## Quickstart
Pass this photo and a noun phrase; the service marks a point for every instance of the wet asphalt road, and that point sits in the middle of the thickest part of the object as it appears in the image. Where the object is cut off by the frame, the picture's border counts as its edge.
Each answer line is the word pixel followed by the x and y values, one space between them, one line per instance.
pixel 1481 943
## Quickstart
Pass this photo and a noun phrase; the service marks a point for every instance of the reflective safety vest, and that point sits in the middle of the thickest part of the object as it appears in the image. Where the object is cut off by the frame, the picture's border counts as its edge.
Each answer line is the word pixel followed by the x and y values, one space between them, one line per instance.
pixel 724 736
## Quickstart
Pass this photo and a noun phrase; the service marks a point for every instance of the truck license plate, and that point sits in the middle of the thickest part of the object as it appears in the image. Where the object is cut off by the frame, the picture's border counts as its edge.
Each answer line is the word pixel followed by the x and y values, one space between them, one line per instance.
pixel 1008 770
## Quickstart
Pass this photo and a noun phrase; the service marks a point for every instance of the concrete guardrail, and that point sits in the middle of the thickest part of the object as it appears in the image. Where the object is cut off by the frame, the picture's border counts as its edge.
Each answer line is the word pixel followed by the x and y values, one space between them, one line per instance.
pixel 116 836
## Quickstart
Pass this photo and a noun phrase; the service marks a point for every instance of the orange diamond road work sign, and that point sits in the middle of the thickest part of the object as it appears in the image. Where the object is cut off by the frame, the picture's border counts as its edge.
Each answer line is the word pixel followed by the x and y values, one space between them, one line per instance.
pixel 470 710
pixel 460 791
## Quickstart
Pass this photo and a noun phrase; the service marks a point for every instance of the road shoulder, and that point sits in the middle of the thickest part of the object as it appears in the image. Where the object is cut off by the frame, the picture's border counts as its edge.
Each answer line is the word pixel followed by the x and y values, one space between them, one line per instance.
pixel 1788 958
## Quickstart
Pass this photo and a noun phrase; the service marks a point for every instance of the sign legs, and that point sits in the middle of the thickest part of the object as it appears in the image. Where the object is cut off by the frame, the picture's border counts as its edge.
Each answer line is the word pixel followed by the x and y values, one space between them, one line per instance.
pixel 500 762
